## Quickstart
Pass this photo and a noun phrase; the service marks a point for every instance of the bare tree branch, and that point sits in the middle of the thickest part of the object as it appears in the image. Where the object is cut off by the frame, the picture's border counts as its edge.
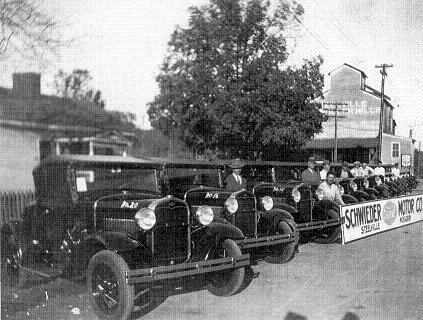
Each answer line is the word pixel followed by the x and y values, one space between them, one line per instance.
pixel 26 30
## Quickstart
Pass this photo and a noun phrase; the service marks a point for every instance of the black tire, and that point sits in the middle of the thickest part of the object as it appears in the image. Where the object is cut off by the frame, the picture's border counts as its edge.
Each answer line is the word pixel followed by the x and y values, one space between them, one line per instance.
pixel 283 253
pixel 11 259
pixel 329 234
pixel 227 282
pixel 109 294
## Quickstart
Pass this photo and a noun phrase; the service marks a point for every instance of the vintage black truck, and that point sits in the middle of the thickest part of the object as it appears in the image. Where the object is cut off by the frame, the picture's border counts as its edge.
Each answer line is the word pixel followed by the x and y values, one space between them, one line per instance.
pixel 316 219
pixel 267 233
pixel 101 217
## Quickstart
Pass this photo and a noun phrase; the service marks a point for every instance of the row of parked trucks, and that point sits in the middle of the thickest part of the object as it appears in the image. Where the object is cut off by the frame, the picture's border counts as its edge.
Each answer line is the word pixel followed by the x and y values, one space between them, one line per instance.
pixel 126 225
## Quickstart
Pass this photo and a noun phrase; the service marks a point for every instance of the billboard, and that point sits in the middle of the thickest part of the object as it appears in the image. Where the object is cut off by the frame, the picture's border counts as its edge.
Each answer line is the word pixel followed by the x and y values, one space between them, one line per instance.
pixel 368 218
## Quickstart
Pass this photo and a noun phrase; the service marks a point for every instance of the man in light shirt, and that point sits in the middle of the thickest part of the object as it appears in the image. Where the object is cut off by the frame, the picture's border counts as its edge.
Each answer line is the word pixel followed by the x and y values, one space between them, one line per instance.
pixel 357 171
pixel 379 170
pixel 367 171
pixel 331 190
pixel 395 170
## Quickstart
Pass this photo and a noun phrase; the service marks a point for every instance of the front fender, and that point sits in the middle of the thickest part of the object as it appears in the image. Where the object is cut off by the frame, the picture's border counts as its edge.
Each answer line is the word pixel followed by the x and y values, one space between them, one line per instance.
pixel 286 207
pixel 113 241
pixel 325 205
pixel 276 215
pixel 225 230
pixel 348 199
pixel 359 194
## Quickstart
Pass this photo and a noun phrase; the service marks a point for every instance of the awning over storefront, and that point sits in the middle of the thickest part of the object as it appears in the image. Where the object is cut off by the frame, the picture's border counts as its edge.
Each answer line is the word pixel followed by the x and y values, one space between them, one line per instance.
pixel 343 143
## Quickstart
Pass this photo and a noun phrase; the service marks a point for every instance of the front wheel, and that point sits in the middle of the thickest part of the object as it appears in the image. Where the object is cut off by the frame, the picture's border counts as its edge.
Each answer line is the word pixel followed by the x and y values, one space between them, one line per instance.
pixel 284 252
pixel 329 234
pixel 227 282
pixel 109 294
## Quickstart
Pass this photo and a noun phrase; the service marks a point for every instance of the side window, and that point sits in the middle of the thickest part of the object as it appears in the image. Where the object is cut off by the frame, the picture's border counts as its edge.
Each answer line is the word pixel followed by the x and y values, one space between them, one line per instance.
pixel 395 149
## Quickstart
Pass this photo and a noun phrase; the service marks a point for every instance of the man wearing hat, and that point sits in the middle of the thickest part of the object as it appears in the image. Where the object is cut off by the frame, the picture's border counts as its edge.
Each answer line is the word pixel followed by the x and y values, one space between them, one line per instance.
pixel 357 171
pixel 309 175
pixel 326 168
pixel 235 181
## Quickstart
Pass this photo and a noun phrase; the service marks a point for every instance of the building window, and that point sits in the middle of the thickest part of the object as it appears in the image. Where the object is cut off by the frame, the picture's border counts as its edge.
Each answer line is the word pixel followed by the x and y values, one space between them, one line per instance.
pixel 395 150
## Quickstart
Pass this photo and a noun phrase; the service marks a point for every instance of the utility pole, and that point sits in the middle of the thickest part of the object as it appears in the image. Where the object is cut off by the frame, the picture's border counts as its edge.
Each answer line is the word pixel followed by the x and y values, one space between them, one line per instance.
pixel 382 104
pixel 336 116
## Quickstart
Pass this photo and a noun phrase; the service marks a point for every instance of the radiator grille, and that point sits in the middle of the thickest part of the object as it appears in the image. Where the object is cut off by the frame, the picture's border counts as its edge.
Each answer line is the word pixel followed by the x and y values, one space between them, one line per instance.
pixel 171 235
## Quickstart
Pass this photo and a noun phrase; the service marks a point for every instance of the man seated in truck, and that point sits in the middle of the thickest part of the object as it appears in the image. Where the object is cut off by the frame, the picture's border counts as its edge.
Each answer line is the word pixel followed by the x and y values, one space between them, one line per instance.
pixel 331 190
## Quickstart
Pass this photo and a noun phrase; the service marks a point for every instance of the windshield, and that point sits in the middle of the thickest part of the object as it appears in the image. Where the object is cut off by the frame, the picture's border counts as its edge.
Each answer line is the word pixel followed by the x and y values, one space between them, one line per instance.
pixel 94 178
pixel 183 179
pixel 285 174
pixel 257 173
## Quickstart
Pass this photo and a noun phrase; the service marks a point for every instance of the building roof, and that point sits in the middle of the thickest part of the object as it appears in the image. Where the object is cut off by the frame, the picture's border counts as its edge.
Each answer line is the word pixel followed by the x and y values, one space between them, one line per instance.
pixel 47 110
pixel 343 143
pixel 350 66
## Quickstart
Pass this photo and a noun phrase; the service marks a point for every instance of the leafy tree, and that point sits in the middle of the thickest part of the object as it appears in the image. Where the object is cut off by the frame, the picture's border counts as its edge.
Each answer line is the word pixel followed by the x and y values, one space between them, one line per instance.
pixel 27 30
pixel 76 85
pixel 224 84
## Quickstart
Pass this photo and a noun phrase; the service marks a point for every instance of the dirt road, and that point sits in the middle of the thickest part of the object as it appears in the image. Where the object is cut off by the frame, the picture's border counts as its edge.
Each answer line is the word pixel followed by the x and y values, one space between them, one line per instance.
pixel 379 277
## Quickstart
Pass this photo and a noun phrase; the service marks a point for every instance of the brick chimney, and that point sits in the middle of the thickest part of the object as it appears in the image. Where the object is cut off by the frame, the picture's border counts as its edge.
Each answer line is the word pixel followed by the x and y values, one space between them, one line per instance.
pixel 27 84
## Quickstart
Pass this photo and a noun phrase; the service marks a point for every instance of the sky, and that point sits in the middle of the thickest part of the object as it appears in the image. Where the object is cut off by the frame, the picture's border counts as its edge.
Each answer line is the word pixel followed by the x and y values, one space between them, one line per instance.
pixel 123 43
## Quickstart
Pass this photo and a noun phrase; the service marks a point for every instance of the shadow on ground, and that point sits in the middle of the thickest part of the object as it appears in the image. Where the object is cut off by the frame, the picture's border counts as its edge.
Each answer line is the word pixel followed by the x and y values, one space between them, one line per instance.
pixel 295 316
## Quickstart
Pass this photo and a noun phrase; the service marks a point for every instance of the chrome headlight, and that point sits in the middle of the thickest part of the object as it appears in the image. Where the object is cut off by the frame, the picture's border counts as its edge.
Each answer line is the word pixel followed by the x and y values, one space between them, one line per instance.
pixel 341 190
pixel 204 215
pixel 145 218
pixel 296 195
pixel 366 183
pixel 353 186
pixel 267 203
pixel 319 194
pixel 232 205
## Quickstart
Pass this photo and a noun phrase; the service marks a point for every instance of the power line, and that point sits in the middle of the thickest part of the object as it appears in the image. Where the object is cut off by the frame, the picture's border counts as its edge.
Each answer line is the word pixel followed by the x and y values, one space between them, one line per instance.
pixel 336 116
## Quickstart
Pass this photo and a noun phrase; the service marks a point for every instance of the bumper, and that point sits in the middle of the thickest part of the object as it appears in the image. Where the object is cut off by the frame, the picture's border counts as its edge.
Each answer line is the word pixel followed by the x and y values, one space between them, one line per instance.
pixel 320 224
pixel 250 243
pixel 186 269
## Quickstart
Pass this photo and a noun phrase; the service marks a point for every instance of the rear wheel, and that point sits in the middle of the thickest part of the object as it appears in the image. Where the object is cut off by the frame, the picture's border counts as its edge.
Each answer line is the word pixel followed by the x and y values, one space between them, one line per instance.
pixel 329 234
pixel 285 251
pixel 109 294
pixel 227 282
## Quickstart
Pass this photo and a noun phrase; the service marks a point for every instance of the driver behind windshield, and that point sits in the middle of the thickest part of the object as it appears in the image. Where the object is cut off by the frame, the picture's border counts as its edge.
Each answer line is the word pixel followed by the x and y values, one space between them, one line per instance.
pixel 235 181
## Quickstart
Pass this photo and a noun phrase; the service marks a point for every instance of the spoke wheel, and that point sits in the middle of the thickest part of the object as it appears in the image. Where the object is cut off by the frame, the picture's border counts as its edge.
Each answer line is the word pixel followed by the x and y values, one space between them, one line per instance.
pixel 284 252
pixel 110 296
pixel 226 282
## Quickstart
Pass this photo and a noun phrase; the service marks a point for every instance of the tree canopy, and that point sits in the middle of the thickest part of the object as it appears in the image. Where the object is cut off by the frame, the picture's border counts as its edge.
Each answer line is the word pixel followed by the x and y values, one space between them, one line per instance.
pixel 224 84
pixel 76 85
pixel 83 105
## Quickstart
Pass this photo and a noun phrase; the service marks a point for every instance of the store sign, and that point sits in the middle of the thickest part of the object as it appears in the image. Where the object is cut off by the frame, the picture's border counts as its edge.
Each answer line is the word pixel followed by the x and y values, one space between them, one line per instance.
pixel 406 160
pixel 368 218
pixel 356 118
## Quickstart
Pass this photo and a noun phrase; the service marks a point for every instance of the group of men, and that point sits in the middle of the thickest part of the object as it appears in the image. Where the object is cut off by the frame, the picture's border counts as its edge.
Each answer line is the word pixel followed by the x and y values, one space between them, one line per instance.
pixel 330 190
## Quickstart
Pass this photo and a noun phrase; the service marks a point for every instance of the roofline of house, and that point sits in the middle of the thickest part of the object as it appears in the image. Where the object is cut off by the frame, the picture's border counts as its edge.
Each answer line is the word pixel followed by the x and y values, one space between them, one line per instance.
pixel 52 127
